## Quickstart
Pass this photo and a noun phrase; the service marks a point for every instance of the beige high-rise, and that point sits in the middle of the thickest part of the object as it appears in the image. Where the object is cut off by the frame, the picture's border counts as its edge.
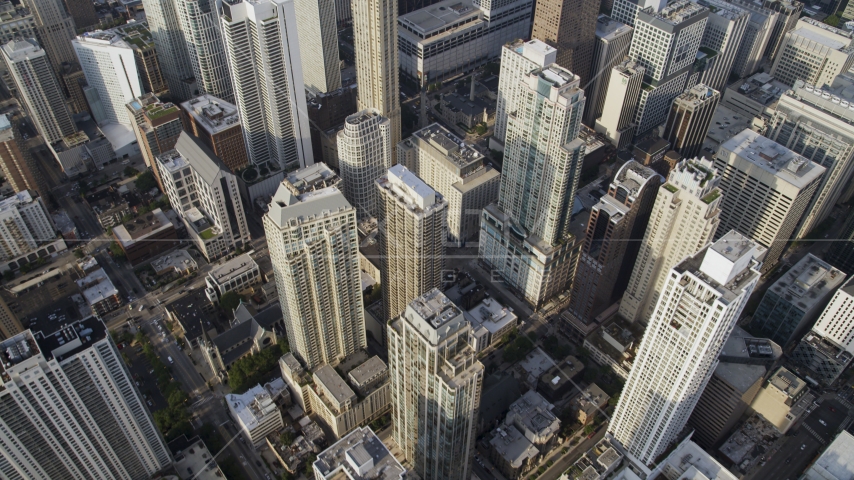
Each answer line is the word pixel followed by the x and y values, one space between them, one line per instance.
pixel 375 41
pixel 684 219
pixel 569 26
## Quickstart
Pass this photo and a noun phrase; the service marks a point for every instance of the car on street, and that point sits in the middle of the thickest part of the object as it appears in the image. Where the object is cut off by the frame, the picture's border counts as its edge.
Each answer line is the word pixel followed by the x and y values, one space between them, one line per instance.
pixel 170 359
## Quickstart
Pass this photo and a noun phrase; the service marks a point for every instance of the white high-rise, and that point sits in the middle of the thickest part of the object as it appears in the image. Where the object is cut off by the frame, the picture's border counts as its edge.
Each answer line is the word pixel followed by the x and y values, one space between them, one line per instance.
pixel 518 59
pixel 314 248
pixel 683 220
pixel 613 40
pixel 815 53
pixel 626 11
pixel 621 100
pixel 724 32
pixel 836 323
pixel 172 53
pixel 262 45
pixel 69 409
pixel 695 314
pixel 202 35
pixel 110 69
pixel 364 155
pixel 318 40
pixel 24 224
pixel 38 88
pixel 436 383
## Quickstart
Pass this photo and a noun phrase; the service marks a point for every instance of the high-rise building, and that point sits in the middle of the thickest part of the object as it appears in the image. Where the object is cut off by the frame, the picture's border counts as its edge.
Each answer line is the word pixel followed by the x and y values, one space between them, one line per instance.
pixel 793 303
pixel 613 238
pixel 841 251
pixel 318 40
pixel 54 30
pixel 314 248
pixel 617 122
pixel 203 37
pixel 38 89
pixel 766 189
pixel 26 224
pixel 815 123
pixel 683 220
pixel 665 43
pixel 204 193
pixel 679 351
pixel 261 43
pixel 569 26
pixel 789 11
pixel 162 17
pixel 457 172
pixel 689 119
pixel 757 35
pixel 814 53
pixel 364 154
pixel 436 383
pixel 626 11
pixel 613 40
pixel 326 115
pixel 217 124
pixel 411 240
pixel 157 126
pixel 70 408
pixel 139 39
pixel 75 80
pixel 525 237
pixel 19 167
pixel 721 40
pixel 9 323
pixel 83 13
pixel 518 59
pixel 110 68
pixel 377 62
pixel 15 21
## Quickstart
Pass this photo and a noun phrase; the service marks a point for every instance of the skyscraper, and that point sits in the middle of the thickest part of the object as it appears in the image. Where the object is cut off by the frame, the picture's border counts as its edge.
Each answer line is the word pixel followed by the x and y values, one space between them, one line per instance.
pixel 54 29
pixel 724 32
pixel 789 11
pixel 18 166
pixel 217 124
pixel 38 88
pixel 261 43
pixel 626 11
pixel 147 58
pixel 156 125
pixel 314 248
pixel 377 61
pixel 569 26
pixel 203 38
pixel 814 53
pixel 318 40
pixel 436 383
pixel 165 27
pixel 525 238
pixel 613 40
pixel 617 223
pixel 841 251
pixel 70 409
pixel 756 37
pixel 364 154
pixel 698 308
pixel 83 13
pixel 689 119
pixel 412 234
pixel 26 224
pixel 683 220
pixel 617 122
pixel 766 189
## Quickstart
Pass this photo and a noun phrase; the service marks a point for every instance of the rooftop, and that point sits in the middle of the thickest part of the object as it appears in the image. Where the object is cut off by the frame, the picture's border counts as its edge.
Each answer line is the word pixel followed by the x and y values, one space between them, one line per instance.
pixel 411 190
pixel 825 40
pixel 329 379
pixel 828 348
pixel 761 88
pixel 311 178
pixel 608 28
pixel 192 457
pixel 360 455
pixel 104 38
pixel 772 158
pixel 60 345
pixel 252 407
pixel 462 158
pixel 235 267
pixel 786 382
pixel 557 76
pixel 697 95
pixel 808 283
pixel 212 113
pixel 695 175
pixel 632 177
pixel 532 415
pixel 367 371
pixel 136 34
pixel 741 347
pixel 191 310
pixel 836 461
pixel 694 463
pixel 97 286
pixel 836 100
pixel 435 308
pixel 492 315
pixel 439 18
pixel 676 12
pixel 728 265
pixel 286 207
pixel 724 9
pixel 512 445
pixel 141 227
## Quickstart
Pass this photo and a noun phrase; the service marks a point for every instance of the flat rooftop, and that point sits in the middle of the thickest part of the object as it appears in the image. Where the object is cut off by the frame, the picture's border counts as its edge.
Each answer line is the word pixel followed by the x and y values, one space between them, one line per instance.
pixel 211 113
pixel 491 315
pixel 787 382
pixel 761 88
pixel 101 287
pixel 334 384
pixel 816 37
pixel 233 268
pixel 455 150
pixel 556 75
pixel 439 18
pixel 252 407
pixel 809 282
pixel 773 158
pixel 311 178
pixel 411 190
pixel 360 455
pixel 285 206
pixel 435 308
pixel 607 28
pixel 141 227
pixel 731 290
pixel 103 37
pixel 368 370
pixel 512 445
pixel 836 462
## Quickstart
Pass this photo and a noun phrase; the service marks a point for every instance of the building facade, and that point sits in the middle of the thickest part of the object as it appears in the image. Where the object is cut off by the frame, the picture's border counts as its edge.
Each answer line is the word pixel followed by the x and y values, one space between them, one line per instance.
pixel 217 124
pixel 54 30
pixel 17 164
pixel 570 26
pixel 724 33
pixel 157 126
pixel 517 60
pixel 24 224
pixel 813 52
pixel 203 37
pixel 756 38
pixel 364 154
pixel 613 40
pixel 690 118
pixel 617 122
pixel 318 39
pixel 165 26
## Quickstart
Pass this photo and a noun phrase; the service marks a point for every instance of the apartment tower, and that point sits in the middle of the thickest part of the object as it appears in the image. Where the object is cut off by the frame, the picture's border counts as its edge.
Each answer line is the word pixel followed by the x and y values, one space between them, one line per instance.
pixel 204 39
pixel 412 234
pixel 318 40
pixel 690 117
pixel 683 220
pixel 217 124
pixel 157 126
pixel 756 38
pixel 723 36
pixel 569 26
pixel 788 13
pixel 165 27
pixel 19 168
pixel 680 350
pixel 364 155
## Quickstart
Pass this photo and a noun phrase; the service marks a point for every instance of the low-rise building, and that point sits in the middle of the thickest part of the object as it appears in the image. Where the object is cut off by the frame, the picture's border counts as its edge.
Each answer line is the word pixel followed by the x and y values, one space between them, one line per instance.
pixel 99 292
pixel 597 463
pixel 753 97
pixel 835 463
pixel 464 111
pixel 250 335
pixel 615 344
pixel 511 453
pixel 559 380
pixel 192 313
pixel 824 358
pixel 256 412
pixel 179 261
pixel 490 321
pixel 193 460
pixel 591 400
pixel 358 455
pixel 689 461
pixel 239 275
pixel 783 399
pixel 527 433
pixel 146 237
pixel 293 456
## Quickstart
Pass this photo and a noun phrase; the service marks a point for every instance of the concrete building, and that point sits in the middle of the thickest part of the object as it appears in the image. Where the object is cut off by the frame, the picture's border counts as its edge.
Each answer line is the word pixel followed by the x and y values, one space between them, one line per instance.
pixel 756 38
pixel 157 126
pixel 601 461
pixel 109 65
pixel 255 413
pixel 841 252
pixel 724 33
pixel 15 21
pixel 165 27
pixel 457 172
pixel 490 321
pixel 239 275
pixel 569 26
pixel 612 240
pixel 193 456
pixel 146 237
pixel 782 400
pixel 203 34
pixel 793 303
pixel 365 152
pixel 412 240
pixel 518 59
pixel 614 344
pixel 789 11
pixel 766 188
pixel 137 35
pixel 17 164
pixel 675 361
pixel 529 431
pixel 217 124
pixel 327 113
pixel 204 192
pixel 190 312
pixel 9 323
pixel 588 403
pixel 24 225
pixel 72 391
pixel 538 257
pixel 813 52
pixel 375 41
pixel 320 292
pixel 54 29
pixel 755 96
pixel 835 462
pixel 689 461
pixel 684 219
pixel 100 294
pixel 38 89
pixel 360 454
pixel 317 25
pixel 626 11
pixel 617 122
pixel 452 37
pixel 268 82
pixel 613 40
pixel 690 118
pixel 428 345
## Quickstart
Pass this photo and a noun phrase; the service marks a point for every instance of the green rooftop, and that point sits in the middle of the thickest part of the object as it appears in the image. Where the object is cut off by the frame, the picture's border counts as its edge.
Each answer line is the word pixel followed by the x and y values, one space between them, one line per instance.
pixel 712 196
pixel 157 110
pixel 207 234
pixel 670 188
